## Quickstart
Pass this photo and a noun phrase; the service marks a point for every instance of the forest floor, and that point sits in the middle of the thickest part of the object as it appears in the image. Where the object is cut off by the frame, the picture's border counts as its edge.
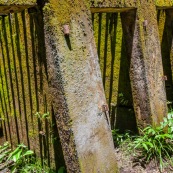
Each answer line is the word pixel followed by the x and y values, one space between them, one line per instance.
pixel 127 163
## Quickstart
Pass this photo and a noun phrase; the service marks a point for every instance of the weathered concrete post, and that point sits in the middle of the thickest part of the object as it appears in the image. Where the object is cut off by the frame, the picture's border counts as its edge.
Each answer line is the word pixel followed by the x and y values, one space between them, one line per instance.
pixel 76 88
pixel 146 71
pixel 153 61
pixel 143 47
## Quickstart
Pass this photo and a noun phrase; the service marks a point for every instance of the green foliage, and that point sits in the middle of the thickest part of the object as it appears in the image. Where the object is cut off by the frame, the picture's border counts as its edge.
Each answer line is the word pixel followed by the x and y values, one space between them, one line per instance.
pixel 62 170
pixel 19 157
pixel 4 151
pixel 42 116
pixel 22 160
pixel 119 138
pixel 155 142
pixel 168 123
pixel 35 166
pixel 122 98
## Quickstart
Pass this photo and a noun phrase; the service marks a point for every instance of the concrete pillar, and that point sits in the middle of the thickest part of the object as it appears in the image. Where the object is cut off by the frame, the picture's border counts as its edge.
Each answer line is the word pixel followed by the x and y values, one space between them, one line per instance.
pixel 76 88
pixel 146 71
pixel 165 20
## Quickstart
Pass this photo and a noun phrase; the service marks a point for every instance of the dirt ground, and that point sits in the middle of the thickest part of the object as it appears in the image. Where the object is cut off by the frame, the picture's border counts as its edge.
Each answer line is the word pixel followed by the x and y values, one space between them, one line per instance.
pixel 127 163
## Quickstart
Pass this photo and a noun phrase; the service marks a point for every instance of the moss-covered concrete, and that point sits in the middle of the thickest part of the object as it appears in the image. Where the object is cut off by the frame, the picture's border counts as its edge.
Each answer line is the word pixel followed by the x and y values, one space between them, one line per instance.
pixel 114 64
pixel 72 91
pixel 152 63
pixel 165 32
pixel 24 87
pixel 112 3
pixel 164 3
pixel 10 6
pixel 74 72
pixel 6 9
pixel 152 104
pixel 18 2
pixel 110 9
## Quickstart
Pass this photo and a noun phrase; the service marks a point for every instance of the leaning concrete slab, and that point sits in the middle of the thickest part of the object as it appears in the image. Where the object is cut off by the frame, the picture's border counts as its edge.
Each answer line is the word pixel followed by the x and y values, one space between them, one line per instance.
pixel 76 88
pixel 153 61
pixel 146 71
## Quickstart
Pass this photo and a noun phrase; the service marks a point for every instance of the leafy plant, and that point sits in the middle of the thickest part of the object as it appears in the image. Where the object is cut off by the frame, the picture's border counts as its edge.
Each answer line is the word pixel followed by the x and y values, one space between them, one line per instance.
pixel 119 138
pixel 61 170
pixel 122 98
pixel 4 151
pixel 21 160
pixel 168 122
pixel 42 116
pixel 19 157
pixel 155 142
pixel 35 166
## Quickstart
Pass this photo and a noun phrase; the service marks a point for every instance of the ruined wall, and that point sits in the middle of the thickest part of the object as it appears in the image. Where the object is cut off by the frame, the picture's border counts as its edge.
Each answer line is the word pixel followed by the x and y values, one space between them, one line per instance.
pixel 124 81
pixel 63 77
pixel 24 94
